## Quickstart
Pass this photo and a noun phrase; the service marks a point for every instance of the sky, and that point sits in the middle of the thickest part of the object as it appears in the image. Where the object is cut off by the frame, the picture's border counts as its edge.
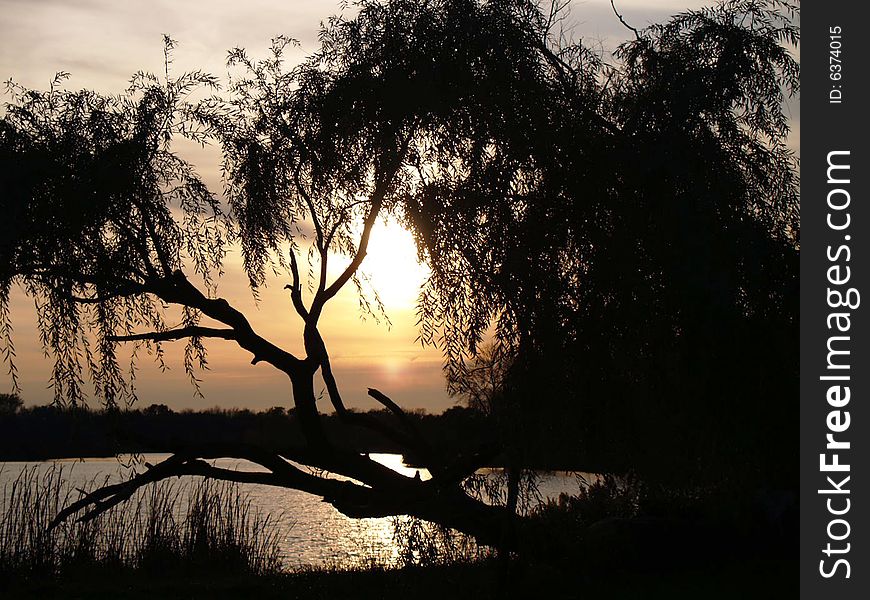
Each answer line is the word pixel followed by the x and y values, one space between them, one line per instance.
pixel 101 43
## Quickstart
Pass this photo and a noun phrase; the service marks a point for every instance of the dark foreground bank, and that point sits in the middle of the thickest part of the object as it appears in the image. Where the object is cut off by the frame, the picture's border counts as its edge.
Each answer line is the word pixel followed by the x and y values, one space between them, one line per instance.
pixel 765 579
pixel 616 539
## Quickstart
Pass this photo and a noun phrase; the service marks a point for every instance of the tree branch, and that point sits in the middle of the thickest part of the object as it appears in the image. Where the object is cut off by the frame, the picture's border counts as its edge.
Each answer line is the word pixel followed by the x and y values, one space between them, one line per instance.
pixel 621 20
pixel 411 440
pixel 94 300
pixel 394 408
pixel 561 67
pixel 322 240
pixel 178 290
pixel 296 288
pixel 382 185
pixel 450 507
pixel 361 250
pixel 176 334
pixel 318 227
pixel 345 494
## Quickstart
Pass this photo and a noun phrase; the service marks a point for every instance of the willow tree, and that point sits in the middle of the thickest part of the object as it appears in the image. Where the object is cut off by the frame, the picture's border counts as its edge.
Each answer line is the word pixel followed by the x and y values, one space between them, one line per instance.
pixel 633 229
pixel 497 144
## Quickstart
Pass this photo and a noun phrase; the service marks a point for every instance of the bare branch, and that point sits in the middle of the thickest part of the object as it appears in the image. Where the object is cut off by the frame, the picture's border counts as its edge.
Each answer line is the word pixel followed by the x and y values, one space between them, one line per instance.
pixel 621 20
pixel 177 289
pixel 556 13
pixel 342 494
pixel 362 249
pixel 296 287
pixel 412 440
pixel 426 500
pixel 176 334
pixel 382 185
pixel 318 227
pixel 394 408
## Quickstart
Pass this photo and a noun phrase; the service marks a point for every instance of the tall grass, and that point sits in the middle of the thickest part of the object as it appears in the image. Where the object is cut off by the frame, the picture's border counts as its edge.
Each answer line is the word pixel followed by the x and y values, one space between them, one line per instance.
pixel 172 526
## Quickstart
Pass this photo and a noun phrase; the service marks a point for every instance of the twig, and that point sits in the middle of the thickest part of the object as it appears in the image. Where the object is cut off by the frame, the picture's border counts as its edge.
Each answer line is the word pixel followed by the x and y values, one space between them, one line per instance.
pixel 621 20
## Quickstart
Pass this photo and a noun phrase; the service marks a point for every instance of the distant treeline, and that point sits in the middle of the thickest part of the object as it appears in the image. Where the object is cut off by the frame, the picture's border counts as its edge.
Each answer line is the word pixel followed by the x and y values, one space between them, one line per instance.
pixel 46 432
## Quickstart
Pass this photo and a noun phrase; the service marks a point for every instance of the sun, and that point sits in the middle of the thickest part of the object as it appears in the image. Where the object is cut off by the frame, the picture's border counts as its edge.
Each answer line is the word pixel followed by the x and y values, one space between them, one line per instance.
pixel 392 265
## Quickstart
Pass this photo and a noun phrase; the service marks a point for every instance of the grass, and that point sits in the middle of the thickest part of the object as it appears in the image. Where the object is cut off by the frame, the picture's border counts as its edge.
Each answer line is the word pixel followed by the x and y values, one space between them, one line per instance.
pixel 200 539
pixel 165 528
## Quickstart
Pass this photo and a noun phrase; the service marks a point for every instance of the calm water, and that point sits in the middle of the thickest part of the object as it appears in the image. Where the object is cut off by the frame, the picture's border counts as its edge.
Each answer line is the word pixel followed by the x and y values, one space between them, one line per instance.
pixel 310 532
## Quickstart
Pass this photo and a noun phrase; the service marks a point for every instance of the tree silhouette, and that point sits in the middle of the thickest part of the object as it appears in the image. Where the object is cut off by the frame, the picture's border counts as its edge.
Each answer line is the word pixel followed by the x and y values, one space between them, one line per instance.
pixel 641 250
pixel 562 200
pixel 10 404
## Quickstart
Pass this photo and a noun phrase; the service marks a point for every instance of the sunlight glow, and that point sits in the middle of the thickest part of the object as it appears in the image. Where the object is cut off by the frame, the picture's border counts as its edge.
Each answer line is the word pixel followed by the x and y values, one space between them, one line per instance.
pixel 391 263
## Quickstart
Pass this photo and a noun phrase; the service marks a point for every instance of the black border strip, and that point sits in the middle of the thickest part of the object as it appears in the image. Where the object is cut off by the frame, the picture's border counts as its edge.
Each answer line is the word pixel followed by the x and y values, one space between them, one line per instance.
pixel 834 131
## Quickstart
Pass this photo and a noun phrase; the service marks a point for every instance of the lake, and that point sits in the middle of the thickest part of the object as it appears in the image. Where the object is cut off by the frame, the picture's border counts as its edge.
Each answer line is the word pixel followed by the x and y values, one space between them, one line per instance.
pixel 310 532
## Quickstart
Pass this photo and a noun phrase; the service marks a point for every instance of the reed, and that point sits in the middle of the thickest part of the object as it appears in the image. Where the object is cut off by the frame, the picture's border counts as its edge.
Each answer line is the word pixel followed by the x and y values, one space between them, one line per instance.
pixel 170 527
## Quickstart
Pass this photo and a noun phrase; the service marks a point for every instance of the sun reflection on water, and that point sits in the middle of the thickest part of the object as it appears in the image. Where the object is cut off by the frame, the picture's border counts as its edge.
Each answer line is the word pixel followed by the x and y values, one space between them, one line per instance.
pixel 396 462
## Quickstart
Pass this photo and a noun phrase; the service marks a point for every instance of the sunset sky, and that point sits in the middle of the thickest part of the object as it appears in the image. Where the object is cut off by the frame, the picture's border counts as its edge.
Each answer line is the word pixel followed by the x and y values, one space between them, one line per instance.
pixel 102 43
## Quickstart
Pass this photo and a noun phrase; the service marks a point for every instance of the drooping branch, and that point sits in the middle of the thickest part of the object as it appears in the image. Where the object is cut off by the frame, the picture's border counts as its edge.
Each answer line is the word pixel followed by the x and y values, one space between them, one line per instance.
pixel 120 286
pixel 159 250
pixel 315 218
pixel 322 241
pixel 93 300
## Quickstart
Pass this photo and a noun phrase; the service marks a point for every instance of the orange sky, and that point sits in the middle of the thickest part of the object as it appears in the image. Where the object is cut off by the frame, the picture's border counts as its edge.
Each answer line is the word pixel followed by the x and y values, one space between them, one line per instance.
pixel 101 43
pixel 363 353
